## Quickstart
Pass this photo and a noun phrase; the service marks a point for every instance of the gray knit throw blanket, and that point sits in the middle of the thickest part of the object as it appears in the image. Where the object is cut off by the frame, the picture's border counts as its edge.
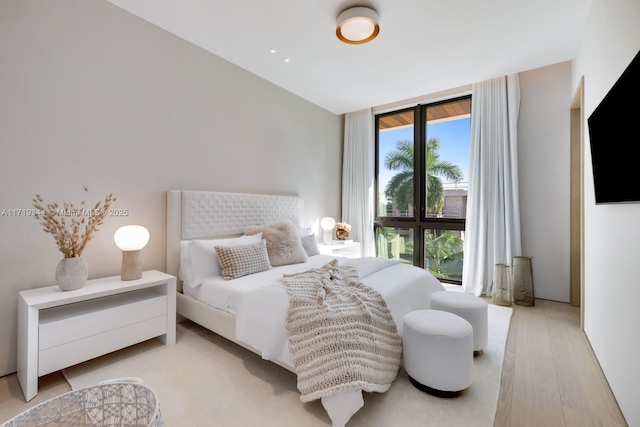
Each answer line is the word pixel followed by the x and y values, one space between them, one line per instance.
pixel 342 336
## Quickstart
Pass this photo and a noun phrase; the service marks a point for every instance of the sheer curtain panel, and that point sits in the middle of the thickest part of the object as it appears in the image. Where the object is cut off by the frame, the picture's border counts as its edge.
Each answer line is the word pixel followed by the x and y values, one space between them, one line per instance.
pixel 357 178
pixel 493 211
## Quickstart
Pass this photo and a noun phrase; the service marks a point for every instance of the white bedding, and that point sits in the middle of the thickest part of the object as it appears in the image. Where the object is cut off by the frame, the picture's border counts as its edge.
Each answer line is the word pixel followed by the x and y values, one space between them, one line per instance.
pixel 256 305
pixel 260 301
pixel 226 294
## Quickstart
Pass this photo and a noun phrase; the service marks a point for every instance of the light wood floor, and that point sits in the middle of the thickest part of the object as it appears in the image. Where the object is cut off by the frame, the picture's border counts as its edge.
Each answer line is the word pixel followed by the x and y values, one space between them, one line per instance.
pixel 550 375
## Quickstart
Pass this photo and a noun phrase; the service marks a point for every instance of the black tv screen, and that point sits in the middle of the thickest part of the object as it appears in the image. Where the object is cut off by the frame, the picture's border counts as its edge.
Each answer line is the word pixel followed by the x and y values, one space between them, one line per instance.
pixel 614 127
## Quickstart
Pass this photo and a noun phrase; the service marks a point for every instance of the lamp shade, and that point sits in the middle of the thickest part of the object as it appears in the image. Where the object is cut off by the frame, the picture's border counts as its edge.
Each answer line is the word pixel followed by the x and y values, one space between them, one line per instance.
pixel 357 25
pixel 131 237
pixel 327 223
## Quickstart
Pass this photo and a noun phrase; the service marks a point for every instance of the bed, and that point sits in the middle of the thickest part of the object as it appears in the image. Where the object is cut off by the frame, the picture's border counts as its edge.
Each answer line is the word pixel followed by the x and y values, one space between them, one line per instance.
pixel 251 310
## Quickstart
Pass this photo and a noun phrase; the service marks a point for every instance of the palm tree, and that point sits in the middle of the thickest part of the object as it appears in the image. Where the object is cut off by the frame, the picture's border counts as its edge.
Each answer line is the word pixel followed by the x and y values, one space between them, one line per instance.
pixel 442 247
pixel 399 189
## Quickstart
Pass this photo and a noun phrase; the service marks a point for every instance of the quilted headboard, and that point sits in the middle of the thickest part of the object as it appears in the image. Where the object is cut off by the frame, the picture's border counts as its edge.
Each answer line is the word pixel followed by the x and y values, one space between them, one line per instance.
pixel 209 215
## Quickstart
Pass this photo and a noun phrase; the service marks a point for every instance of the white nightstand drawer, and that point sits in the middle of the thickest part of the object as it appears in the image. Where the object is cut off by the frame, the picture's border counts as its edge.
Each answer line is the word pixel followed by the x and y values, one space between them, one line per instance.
pixel 72 322
pixel 348 249
pixel 55 358
pixel 58 329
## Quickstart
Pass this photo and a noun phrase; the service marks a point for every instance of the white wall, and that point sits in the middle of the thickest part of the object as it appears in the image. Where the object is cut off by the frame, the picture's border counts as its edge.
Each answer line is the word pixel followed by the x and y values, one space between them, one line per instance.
pixel 612 232
pixel 543 161
pixel 92 95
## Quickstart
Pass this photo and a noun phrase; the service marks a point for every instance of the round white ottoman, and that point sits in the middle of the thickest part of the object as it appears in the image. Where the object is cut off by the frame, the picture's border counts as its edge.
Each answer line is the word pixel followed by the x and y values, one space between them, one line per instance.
pixel 437 351
pixel 471 308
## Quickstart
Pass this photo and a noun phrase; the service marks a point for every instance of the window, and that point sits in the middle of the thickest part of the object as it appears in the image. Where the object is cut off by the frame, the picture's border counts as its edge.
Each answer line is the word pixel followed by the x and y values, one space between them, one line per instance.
pixel 422 169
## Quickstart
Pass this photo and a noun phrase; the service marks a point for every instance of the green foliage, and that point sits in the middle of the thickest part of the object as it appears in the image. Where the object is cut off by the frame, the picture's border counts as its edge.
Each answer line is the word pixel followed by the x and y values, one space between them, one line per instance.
pixel 441 248
pixel 399 189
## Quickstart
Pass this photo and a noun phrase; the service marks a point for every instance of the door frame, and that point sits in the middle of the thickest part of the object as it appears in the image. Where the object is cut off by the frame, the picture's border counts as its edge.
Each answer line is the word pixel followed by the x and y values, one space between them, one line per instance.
pixel 576 210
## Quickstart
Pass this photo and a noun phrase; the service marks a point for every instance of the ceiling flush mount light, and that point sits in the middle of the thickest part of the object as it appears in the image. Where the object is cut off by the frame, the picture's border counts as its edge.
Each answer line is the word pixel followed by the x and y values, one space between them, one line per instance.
pixel 357 25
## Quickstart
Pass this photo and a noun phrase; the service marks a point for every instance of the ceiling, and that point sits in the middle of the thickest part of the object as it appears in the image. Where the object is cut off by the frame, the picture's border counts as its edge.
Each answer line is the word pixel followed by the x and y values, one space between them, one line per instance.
pixel 450 109
pixel 424 46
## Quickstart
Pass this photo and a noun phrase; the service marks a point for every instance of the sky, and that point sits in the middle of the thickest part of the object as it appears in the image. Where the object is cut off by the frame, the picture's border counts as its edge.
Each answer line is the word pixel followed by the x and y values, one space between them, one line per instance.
pixel 454 138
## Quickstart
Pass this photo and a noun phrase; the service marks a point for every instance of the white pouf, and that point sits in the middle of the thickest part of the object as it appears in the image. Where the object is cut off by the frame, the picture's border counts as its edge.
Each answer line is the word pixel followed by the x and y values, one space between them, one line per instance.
pixel 471 308
pixel 437 349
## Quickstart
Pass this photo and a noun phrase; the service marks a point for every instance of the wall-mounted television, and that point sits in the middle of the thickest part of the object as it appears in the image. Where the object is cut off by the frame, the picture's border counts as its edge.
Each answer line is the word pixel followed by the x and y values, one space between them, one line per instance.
pixel 614 129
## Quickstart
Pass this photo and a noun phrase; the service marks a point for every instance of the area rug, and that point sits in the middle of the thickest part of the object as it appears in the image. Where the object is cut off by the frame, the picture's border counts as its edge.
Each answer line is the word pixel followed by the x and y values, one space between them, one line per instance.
pixel 205 380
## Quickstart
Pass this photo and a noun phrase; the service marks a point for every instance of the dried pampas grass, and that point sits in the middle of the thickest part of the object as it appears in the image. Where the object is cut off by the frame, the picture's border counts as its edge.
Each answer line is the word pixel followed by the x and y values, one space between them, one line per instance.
pixel 72 227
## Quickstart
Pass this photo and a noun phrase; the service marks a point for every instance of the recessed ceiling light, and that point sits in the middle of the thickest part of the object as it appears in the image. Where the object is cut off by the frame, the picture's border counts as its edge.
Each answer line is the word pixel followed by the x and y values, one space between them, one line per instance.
pixel 357 25
pixel 272 50
pixel 287 60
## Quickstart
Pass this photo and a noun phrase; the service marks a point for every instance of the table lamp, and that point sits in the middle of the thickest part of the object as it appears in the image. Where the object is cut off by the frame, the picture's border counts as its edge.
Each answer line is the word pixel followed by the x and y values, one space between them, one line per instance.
pixel 327 223
pixel 131 239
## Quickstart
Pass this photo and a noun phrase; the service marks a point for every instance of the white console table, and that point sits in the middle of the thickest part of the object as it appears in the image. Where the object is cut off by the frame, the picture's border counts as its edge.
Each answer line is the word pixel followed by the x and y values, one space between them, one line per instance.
pixel 58 329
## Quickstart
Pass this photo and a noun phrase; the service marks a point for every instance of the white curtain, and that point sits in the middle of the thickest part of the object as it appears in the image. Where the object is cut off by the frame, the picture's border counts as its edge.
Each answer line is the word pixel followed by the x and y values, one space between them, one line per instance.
pixel 493 213
pixel 357 178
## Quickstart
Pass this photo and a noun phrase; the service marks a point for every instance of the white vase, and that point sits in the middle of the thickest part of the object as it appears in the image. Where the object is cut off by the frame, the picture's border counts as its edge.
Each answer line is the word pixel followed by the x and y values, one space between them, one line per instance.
pixel 71 273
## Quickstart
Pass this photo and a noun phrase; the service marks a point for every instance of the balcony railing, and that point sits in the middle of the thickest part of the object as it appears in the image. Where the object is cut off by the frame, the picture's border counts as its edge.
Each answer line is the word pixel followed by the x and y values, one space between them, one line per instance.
pixel 456 186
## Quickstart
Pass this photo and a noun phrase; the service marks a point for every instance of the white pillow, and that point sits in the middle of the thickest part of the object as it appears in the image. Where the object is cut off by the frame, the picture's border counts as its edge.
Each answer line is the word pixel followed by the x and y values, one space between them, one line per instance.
pixel 204 261
pixel 303 232
pixel 185 273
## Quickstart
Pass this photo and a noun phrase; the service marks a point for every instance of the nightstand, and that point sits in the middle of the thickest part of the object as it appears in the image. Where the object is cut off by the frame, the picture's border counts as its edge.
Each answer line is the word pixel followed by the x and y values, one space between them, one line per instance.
pixel 347 249
pixel 58 329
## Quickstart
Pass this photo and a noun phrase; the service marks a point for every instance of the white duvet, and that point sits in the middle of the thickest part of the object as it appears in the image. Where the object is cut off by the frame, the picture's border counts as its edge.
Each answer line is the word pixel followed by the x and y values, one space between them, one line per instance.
pixel 262 310
pixel 260 302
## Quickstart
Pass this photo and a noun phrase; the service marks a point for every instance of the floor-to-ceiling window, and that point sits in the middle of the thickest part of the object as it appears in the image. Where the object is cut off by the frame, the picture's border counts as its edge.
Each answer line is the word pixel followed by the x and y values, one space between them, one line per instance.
pixel 422 169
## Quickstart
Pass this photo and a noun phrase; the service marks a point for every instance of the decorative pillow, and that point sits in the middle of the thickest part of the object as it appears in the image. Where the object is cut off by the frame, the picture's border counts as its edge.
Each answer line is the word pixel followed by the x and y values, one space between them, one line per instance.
pixel 238 261
pixel 310 245
pixel 203 260
pixel 283 243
